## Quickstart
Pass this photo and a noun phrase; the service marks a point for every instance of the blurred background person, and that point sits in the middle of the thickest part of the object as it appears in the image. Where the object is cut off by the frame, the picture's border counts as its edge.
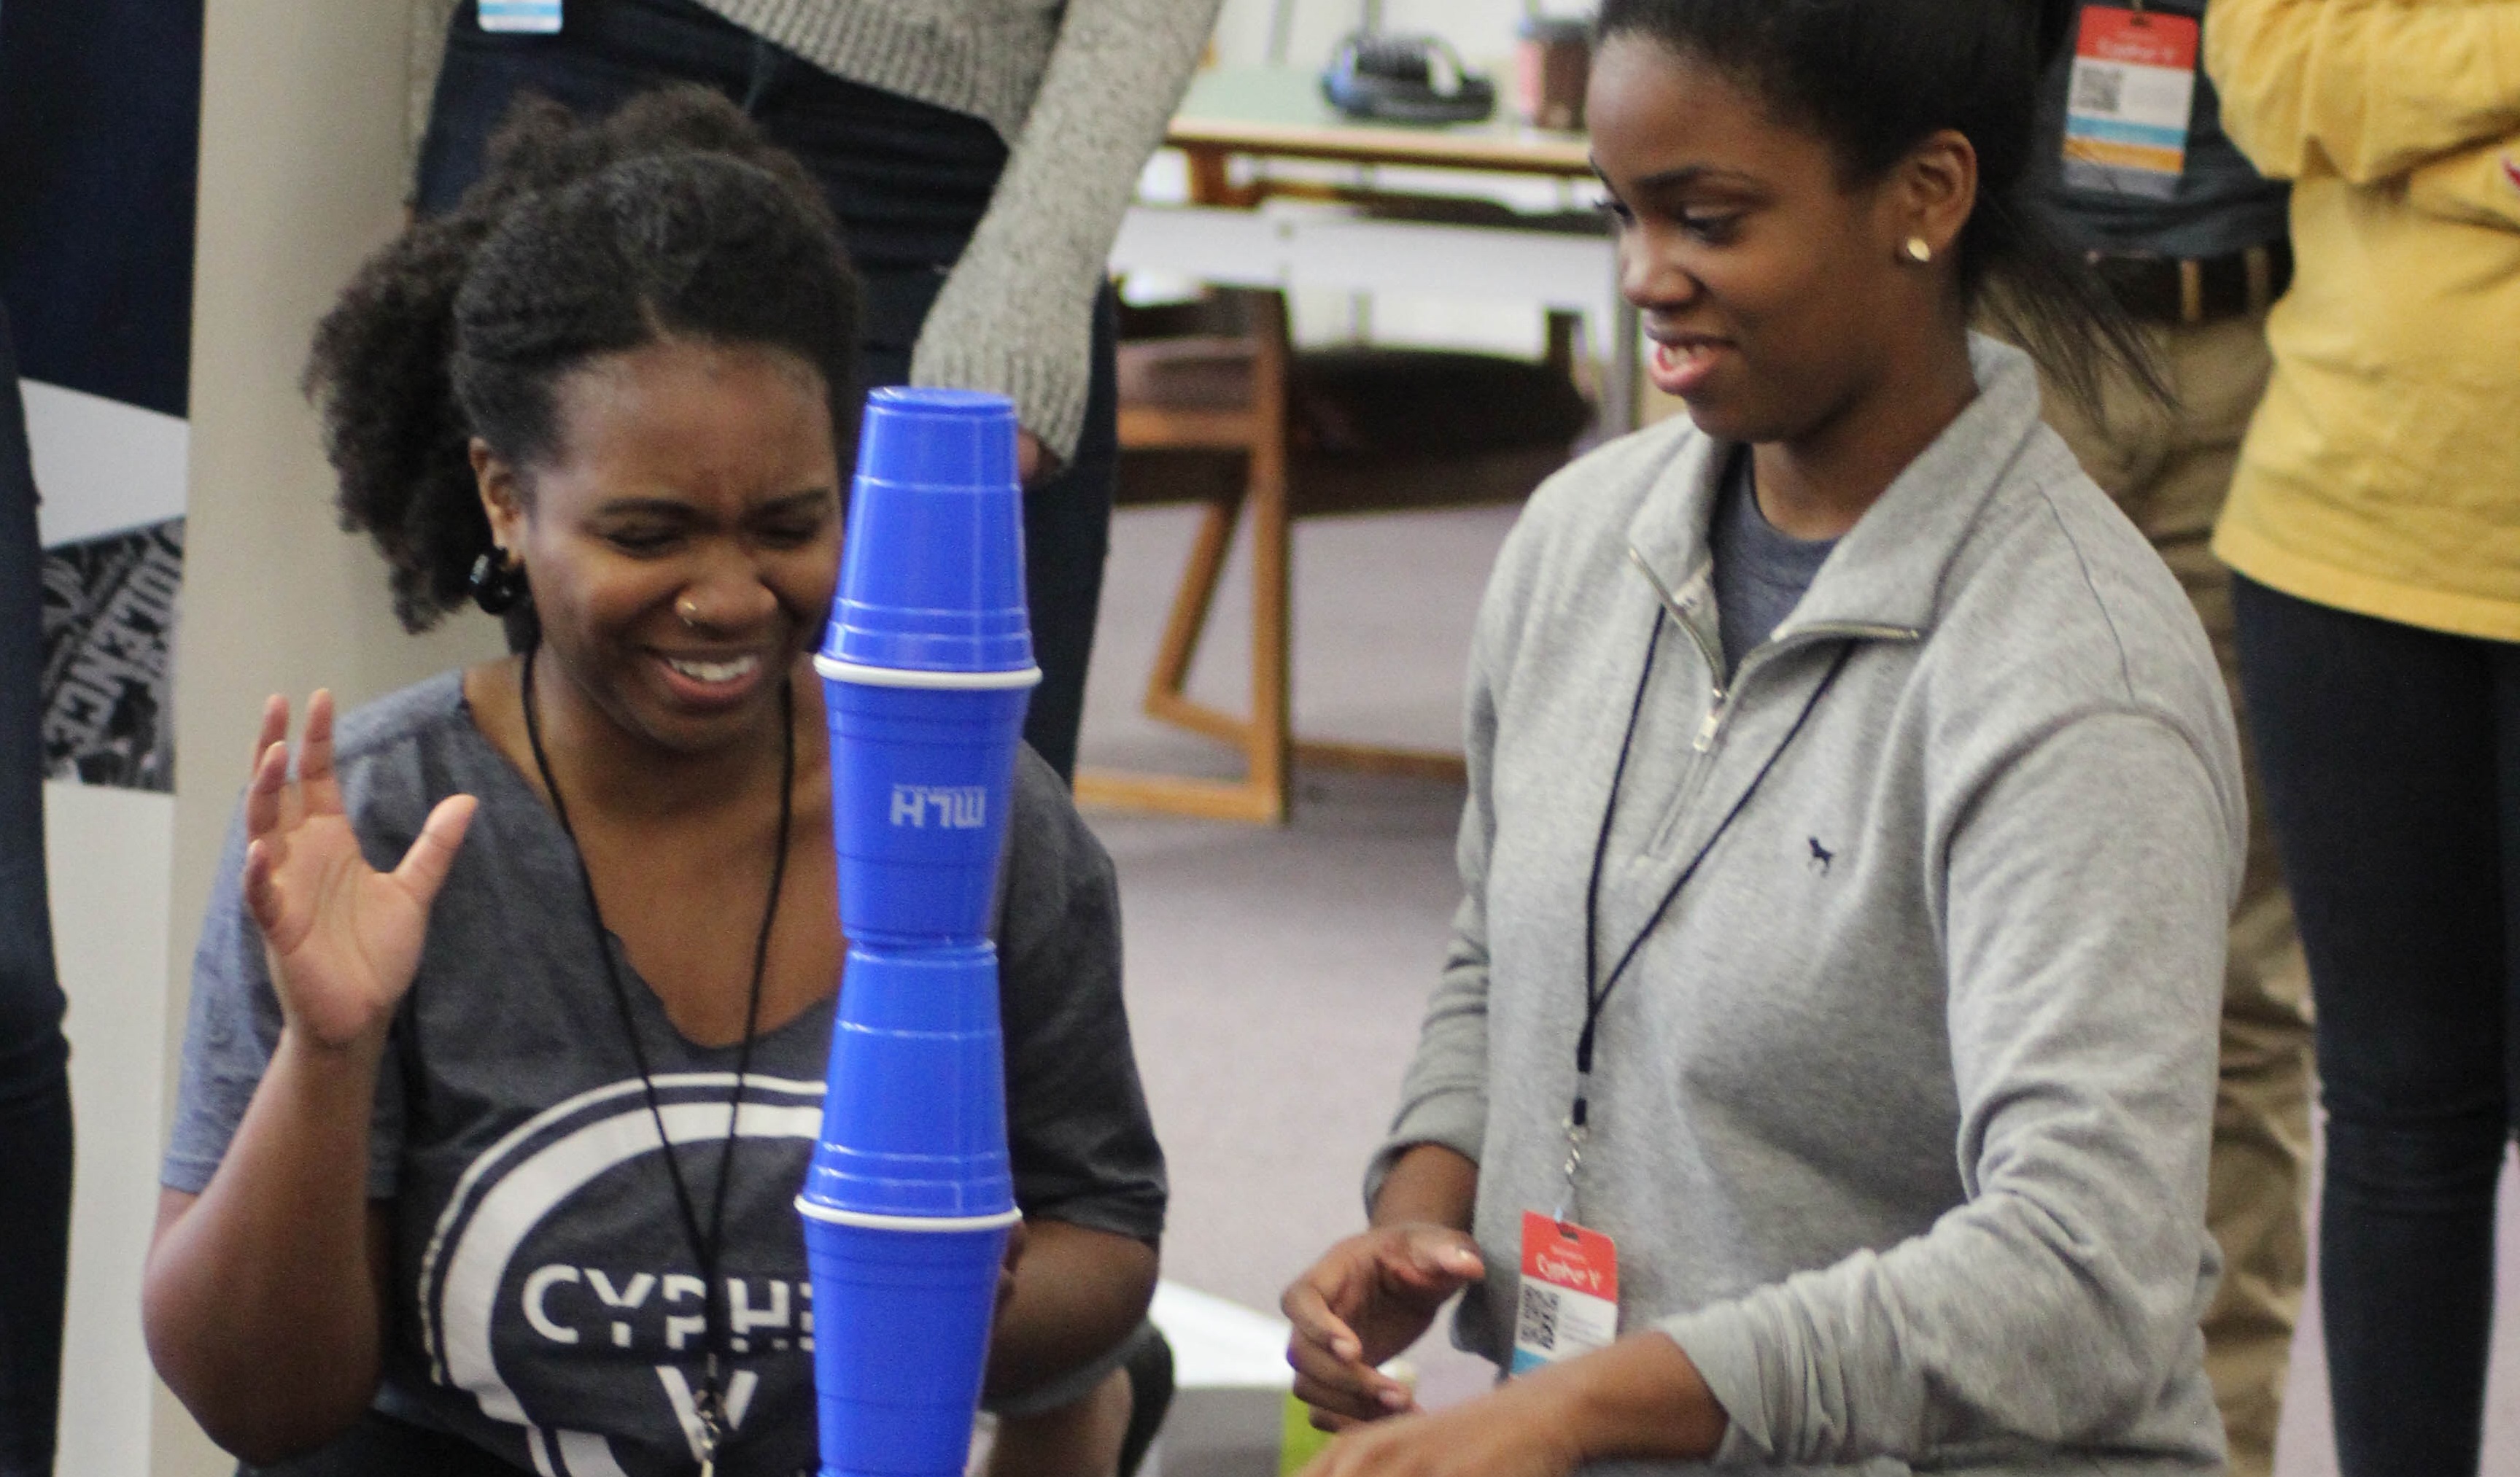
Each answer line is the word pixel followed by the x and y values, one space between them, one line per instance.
pixel 2189 239
pixel 978 153
pixel 34 1058
pixel 2374 526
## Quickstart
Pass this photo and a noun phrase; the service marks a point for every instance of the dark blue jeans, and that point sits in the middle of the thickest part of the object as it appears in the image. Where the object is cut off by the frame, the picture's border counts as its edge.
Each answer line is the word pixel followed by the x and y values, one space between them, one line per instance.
pixel 2391 765
pixel 35 1060
pixel 909 183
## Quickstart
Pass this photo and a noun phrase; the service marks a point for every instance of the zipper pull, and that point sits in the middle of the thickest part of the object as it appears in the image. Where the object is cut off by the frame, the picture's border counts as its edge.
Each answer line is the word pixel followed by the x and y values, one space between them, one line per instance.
pixel 1713 725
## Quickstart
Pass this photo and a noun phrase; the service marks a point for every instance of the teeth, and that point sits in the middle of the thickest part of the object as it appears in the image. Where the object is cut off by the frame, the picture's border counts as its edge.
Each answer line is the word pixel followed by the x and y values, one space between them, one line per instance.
pixel 714 671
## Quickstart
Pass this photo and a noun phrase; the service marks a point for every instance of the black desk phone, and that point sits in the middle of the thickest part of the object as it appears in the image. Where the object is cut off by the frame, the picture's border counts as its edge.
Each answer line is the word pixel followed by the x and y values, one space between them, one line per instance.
pixel 1405 80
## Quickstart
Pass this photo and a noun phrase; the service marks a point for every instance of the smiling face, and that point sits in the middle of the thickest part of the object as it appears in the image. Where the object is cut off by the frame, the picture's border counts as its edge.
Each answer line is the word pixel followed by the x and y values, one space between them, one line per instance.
pixel 1778 292
pixel 683 538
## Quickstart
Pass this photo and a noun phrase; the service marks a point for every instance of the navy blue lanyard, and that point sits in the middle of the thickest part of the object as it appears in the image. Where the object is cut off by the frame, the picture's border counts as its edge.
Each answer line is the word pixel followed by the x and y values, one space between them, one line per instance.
pixel 1598 996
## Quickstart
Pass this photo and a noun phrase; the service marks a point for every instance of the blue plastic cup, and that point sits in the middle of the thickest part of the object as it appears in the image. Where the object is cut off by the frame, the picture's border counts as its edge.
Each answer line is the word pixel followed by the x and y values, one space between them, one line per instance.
pixel 927 665
pixel 915 1106
pixel 931 571
pixel 901 1340
pixel 922 784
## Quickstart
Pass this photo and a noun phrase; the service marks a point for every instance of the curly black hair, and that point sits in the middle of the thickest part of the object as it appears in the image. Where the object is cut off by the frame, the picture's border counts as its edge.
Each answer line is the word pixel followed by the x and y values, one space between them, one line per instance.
pixel 672 217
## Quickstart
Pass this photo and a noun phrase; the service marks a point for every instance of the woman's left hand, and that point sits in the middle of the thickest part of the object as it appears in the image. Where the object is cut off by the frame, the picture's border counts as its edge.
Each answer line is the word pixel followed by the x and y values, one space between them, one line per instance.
pixel 1518 1431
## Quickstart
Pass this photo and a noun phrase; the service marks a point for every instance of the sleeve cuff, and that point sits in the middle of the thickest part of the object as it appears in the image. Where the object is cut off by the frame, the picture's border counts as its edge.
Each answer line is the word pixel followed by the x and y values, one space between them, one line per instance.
pixel 1457 1120
pixel 1720 1341
pixel 1048 389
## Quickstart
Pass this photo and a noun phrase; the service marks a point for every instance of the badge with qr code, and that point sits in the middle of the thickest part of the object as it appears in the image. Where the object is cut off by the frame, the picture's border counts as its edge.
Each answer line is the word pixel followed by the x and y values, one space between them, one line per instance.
pixel 533 18
pixel 2128 99
pixel 1569 1302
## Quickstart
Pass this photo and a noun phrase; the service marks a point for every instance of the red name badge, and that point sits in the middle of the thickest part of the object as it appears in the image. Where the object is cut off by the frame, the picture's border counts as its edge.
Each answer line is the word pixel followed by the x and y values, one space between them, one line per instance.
pixel 1569 1302
pixel 2128 99
pixel 2141 38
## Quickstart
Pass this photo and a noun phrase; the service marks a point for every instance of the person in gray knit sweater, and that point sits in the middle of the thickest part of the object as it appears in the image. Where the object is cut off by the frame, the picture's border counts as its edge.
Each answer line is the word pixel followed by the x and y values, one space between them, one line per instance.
pixel 978 153
pixel 1855 810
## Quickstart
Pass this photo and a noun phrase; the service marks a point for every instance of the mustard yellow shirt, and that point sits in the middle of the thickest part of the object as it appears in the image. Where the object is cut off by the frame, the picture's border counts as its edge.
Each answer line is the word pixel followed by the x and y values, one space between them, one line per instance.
pixel 2382 472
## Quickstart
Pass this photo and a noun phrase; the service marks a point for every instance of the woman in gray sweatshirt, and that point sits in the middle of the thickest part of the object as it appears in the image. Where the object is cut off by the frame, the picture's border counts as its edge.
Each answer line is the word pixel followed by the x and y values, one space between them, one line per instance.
pixel 1854 815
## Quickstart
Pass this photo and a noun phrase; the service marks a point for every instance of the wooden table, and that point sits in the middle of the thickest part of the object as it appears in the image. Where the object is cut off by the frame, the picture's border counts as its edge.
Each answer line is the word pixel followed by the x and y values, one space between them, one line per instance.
pixel 1278 112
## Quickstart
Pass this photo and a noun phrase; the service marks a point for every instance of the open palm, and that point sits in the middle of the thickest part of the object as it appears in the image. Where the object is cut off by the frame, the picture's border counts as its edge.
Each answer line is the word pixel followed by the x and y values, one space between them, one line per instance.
pixel 344 938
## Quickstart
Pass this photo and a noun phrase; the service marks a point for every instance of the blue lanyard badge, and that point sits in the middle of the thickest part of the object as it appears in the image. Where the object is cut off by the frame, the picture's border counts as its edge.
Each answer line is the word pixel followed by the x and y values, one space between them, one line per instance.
pixel 532 18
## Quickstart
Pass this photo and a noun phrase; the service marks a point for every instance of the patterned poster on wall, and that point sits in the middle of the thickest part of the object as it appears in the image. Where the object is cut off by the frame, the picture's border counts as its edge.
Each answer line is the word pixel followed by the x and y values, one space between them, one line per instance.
pixel 100 105
pixel 109 628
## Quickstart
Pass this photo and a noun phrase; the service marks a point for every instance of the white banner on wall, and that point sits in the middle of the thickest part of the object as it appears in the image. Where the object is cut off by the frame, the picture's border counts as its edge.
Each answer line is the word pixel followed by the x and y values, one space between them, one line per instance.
pixel 104 467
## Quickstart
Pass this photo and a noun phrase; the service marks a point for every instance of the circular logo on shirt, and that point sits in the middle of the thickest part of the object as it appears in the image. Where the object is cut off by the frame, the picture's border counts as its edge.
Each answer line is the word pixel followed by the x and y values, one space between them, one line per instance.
pixel 558 1287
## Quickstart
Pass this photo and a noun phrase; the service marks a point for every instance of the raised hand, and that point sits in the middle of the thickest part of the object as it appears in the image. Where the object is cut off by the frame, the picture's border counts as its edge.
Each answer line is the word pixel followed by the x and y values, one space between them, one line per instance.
pixel 343 938
pixel 1367 1299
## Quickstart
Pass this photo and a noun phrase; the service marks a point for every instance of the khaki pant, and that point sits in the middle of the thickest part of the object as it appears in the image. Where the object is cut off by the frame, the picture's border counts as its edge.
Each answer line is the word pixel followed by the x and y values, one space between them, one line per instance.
pixel 2170 471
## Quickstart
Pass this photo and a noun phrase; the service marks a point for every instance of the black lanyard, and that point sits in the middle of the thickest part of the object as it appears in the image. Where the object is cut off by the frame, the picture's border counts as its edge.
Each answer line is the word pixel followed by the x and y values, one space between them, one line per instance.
pixel 705 1244
pixel 1597 997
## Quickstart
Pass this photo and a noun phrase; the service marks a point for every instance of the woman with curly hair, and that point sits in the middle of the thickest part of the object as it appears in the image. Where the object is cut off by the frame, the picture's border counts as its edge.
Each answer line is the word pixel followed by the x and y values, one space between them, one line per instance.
pixel 510 1012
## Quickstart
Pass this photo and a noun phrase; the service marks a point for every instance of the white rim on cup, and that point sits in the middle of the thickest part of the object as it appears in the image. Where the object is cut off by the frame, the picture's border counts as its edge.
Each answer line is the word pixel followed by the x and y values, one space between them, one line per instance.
pixel 911 677
pixel 871 1222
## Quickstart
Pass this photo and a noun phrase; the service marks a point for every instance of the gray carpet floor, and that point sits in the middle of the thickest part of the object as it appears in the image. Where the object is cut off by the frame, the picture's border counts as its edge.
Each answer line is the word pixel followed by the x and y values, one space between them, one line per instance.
pixel 1276 976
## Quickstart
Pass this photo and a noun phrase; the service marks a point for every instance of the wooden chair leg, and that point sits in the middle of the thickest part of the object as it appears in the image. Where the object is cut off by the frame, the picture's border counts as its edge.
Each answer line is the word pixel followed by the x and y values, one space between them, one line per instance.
pixel 1261 794
pixel 1265 735
pixel 1167 685
pixel 1270 736
pixel 1168 698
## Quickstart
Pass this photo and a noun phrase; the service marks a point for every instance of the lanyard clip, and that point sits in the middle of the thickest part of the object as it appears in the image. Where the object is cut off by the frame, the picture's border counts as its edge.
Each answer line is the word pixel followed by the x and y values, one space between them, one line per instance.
pixel 709 1409
pixel 1576 1134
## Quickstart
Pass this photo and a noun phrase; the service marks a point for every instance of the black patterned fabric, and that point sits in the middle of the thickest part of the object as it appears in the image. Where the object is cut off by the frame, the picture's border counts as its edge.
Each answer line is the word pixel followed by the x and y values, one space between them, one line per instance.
pixel 108 631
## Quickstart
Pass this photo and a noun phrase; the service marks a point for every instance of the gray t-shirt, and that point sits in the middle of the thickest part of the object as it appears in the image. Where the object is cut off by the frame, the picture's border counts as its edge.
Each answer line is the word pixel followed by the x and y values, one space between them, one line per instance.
pixel 1760 574
pixel 545 1304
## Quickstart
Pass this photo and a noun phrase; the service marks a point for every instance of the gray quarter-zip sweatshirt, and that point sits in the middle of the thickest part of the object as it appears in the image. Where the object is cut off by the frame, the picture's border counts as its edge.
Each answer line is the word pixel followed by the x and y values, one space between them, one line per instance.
pixel 1899 1115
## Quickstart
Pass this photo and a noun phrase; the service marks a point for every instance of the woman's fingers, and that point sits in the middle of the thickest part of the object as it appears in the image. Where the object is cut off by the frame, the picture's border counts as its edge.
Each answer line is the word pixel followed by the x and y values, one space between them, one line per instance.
pixel 1336 1407
pixel 1323 1419
pixel 315 777
pixel 274 729
pixel 1306 1304
pixel 261 898
pixel 424 866
pixel 265 791
pixel 1439 1258
pixel 1341 1383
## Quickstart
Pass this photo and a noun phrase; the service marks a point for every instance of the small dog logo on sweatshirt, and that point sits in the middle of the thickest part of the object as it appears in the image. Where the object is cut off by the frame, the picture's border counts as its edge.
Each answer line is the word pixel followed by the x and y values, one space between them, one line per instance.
pixel 1821 857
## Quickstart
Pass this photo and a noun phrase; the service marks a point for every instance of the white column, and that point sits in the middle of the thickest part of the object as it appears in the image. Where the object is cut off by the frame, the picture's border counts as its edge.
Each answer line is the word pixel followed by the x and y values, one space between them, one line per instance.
pixel 304 166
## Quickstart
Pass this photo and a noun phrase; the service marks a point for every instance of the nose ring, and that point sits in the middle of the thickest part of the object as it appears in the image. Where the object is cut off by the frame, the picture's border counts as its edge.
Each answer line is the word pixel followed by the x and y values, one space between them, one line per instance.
pixel 689 610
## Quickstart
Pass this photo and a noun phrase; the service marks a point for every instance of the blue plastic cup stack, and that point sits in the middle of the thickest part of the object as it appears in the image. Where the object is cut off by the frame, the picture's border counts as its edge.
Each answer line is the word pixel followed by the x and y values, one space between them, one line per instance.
pixel 927 669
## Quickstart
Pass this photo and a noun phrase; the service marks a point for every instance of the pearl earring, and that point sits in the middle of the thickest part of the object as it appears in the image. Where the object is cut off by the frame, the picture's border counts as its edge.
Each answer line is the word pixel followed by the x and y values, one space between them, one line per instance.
pixel 1919 251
